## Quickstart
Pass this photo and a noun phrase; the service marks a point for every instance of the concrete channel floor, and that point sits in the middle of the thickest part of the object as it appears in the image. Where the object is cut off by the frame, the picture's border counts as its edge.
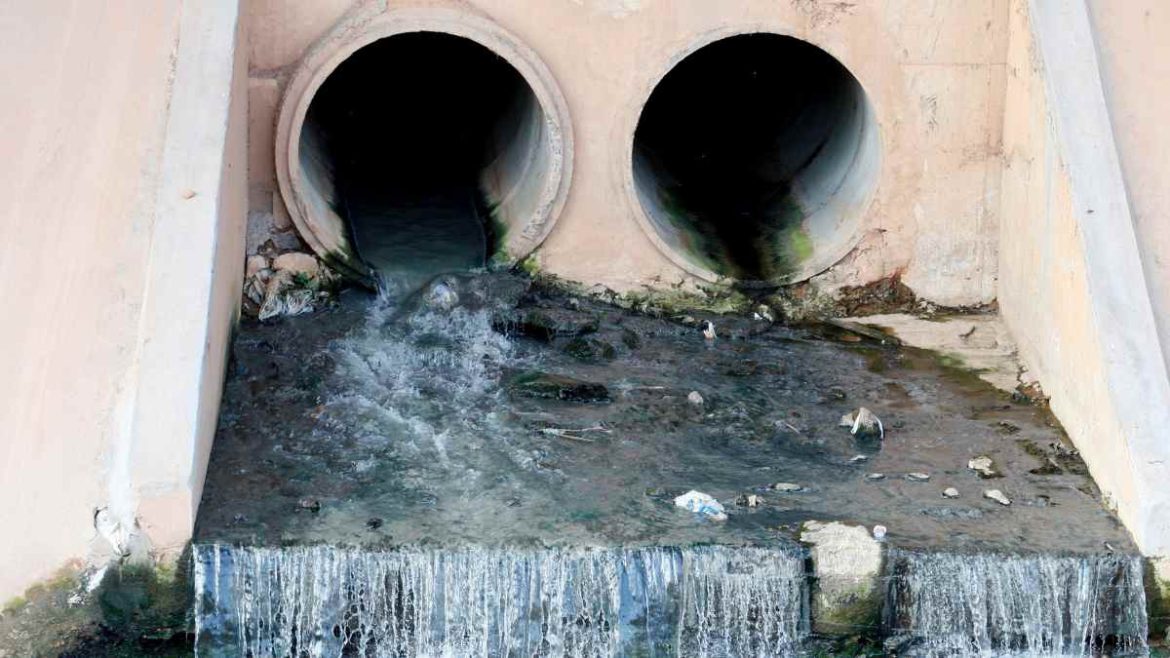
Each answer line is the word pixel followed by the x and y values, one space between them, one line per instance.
pixel 380 425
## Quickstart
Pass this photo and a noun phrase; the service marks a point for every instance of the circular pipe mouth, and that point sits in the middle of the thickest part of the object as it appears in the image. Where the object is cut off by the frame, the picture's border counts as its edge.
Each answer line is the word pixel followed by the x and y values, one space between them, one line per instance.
pixel 754 159
pixel 428 145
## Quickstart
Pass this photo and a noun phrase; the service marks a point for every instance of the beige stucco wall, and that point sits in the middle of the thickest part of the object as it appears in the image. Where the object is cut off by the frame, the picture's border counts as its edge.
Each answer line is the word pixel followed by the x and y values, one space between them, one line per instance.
pixel 1071 289
pixel 99 164
pixel 1134 55
pixel 81 107
pixel 934 72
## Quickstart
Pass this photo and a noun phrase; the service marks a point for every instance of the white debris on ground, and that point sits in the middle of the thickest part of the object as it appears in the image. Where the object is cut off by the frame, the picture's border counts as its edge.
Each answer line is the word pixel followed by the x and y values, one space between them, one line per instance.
pixel 291 284
pixel 867 425
pixel 983 466
pixel 702 504
pixel 998 496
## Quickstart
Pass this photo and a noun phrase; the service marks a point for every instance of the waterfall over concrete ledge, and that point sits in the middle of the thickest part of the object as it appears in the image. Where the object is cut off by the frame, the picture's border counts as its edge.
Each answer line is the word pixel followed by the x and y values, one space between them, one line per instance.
pixel 944 604
pixel 571 603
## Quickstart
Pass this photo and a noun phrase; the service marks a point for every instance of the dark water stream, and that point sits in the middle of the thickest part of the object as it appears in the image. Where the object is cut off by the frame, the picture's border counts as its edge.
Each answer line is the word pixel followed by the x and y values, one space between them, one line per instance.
pixel 488 468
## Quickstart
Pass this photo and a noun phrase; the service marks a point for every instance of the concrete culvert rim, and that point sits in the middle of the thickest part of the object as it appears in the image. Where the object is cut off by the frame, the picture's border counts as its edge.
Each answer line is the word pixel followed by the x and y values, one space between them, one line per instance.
pixel 526 156
pixel 754 158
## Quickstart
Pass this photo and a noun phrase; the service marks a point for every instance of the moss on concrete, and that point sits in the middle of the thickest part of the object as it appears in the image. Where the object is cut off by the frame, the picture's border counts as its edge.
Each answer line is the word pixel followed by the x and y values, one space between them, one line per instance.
pixel 135 611
pixel 1157 580
pixel 721 300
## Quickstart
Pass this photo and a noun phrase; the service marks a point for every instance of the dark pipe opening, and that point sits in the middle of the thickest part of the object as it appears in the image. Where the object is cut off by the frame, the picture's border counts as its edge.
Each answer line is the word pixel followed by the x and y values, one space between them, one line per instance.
pixel 741 145
pixel 407 127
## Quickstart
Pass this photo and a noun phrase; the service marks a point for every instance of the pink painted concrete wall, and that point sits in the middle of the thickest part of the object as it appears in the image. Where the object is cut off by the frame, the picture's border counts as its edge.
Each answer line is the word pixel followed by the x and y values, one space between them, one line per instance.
pixel 934 72
pixel 1134 56
pixel 122 208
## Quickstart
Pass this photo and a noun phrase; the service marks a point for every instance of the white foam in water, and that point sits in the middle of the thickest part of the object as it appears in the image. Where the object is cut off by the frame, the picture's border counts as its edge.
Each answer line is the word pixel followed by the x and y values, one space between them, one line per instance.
pixel 704 602
pixel 1026 605
pixel 411 374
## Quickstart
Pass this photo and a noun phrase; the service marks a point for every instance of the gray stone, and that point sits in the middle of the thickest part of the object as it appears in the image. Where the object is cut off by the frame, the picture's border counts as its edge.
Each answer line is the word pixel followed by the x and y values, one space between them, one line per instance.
pixel 536 384
pixel 998 496
pixel 984 466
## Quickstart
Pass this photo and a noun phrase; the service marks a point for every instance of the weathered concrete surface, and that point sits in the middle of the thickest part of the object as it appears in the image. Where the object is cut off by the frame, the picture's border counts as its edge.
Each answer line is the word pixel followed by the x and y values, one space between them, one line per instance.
pixel 1071 285
pixel 847 565
pixel 934 75
pixel 1134 58
pixel 980 343
pixel 121 209
pixel 73 257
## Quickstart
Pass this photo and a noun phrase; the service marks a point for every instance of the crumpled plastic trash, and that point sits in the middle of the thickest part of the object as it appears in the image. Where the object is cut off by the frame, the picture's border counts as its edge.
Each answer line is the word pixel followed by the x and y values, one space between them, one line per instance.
pixel 700 503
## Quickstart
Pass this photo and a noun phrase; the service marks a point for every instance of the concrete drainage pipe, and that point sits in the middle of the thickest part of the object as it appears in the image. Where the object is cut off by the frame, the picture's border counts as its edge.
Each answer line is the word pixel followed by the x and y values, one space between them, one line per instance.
pixel 430 142
pixel 754 158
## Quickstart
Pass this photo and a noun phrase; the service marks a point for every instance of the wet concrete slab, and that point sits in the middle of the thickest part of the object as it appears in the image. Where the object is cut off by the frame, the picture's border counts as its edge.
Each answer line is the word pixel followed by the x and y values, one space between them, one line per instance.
pixel 378 424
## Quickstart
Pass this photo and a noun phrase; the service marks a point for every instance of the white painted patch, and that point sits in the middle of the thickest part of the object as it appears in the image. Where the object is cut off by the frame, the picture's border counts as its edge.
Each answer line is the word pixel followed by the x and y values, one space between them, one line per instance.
pixel 613 8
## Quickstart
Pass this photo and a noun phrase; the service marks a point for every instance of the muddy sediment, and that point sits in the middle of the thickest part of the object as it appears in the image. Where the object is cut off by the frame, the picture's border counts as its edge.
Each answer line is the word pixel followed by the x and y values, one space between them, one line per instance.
pixel 384 424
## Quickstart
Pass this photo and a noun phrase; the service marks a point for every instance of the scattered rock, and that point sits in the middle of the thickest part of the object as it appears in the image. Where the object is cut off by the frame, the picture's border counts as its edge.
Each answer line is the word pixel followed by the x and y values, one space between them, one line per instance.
pixel 374 523
pixel 866 425
pixel 879 532
pixel 787 487
pixel 749 500
pixel 695 398
pixel 297 263
pixel 997 496
pixel 764 312
pixel 703 504
pixel 589 350
pixel 254 264
pixel 441 296
pixel 918 477
pixel 950 492
pixel 983 466
pixel 857 459
pixel 309 505
pixel 876 476
pixel 535 384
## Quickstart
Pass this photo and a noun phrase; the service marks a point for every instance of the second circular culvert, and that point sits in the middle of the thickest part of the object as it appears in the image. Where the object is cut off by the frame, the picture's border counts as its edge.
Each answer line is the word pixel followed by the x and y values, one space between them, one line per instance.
pixel 754 159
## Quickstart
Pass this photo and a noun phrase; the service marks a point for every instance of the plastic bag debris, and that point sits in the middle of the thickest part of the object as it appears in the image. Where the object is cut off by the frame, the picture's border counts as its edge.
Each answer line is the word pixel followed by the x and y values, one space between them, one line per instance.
pixel 700 503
